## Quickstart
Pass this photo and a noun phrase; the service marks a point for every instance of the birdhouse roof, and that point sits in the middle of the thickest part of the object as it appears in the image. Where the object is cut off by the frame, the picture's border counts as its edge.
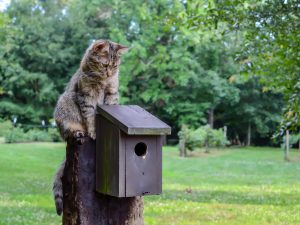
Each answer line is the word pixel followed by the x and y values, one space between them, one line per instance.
pixel 133 120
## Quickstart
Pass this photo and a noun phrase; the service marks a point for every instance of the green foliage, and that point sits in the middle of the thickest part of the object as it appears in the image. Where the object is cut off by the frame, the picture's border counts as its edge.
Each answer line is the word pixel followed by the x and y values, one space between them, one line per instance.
pixel 54 135
pixel 177 73
pixel 269 40
pixel 291 111
pixel 257 107
pixel 218 138
pixel 38 135
pixel 195 138
pixel 17 134
pixel 27 90
pixel 174 74
pixel 5 126
pixel 203 136
pixel 293 139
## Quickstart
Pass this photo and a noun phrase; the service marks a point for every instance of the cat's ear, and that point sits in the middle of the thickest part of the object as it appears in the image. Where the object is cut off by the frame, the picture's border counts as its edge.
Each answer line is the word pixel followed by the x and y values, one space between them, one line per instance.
pixel 99 46
pixel 121 49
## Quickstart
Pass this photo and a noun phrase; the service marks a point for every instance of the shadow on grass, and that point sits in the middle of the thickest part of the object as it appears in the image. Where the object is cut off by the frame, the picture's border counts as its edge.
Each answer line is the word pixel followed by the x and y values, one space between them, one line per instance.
pixel 231 197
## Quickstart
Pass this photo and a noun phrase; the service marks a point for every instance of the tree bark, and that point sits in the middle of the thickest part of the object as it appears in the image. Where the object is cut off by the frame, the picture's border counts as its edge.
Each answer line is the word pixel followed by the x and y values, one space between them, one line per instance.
pixel 225 132
pixel 82 205
pixel 237 140
pixel 206 146
pixel 287 146
pixel 211 118
pixel 249 134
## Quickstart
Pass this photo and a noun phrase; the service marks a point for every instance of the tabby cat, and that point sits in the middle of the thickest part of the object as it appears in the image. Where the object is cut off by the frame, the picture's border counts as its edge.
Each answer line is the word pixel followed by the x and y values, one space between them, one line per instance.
pixel 95 83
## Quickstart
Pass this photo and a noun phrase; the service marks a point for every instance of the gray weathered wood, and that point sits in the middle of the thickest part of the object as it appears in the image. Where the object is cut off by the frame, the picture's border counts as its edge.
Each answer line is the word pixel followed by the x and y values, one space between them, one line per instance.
pixel 143 173
pixel 119 171
pixel 134 120
pixel 110 158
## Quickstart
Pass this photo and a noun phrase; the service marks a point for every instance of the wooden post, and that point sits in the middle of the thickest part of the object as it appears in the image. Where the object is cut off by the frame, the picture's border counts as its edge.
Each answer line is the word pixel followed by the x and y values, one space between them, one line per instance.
pixel 182 140
pixel 82 205
pixel 287 146
pixel 182 149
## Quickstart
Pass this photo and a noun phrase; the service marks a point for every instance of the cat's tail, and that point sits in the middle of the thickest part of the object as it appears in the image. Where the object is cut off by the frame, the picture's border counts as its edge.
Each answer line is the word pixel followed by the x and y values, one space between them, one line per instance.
pixel 58 189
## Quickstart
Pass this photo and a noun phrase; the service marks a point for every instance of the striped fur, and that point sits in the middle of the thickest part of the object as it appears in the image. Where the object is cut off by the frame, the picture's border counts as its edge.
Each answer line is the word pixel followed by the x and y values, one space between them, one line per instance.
pixel 95 83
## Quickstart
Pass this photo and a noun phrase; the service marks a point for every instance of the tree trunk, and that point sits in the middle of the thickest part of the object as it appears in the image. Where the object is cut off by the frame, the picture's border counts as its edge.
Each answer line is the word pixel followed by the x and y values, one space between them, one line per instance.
pixel 225 132
pixel 249 134
pixel 82 205
pixel 287 146
pixel 206 146
pixel 211 118
pixel 237 138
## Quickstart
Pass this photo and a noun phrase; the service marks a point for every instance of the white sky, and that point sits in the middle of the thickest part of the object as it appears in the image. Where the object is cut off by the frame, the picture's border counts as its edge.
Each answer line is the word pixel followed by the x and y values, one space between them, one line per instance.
pixel 4 4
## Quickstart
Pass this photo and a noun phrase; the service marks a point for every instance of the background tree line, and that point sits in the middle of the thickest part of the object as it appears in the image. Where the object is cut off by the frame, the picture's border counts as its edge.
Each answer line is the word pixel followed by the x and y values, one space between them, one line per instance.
pixel 183 74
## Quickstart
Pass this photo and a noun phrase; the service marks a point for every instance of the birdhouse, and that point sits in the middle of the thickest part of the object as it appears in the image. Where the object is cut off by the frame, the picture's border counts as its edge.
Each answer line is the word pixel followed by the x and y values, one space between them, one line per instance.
pixel 128 151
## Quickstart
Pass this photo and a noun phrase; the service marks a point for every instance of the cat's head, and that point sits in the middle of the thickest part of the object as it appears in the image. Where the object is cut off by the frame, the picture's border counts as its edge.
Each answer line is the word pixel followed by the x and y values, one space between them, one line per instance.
pixel 102 58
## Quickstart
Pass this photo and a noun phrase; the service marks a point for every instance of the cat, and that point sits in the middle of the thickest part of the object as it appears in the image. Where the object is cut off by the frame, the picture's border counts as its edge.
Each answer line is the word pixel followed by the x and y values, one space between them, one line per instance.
pixel 95 83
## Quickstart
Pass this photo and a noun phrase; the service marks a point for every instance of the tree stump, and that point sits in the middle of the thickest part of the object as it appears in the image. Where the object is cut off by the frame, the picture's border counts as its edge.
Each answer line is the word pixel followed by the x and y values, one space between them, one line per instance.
pixel 82 205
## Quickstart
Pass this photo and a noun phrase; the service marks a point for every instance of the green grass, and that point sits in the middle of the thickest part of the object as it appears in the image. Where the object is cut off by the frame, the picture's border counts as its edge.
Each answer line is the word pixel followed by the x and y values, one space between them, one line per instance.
pixel 234 186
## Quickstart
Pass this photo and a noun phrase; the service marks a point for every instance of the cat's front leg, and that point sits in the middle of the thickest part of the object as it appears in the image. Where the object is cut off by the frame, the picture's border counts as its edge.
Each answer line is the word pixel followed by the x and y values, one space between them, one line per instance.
pixel 88 110
pixel 111 93
pixel 91 127
pixel 90 122
pixel 111 98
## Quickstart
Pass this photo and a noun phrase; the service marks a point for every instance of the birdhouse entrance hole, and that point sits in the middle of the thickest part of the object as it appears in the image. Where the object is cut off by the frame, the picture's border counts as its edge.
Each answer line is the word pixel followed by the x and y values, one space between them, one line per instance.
pixel 140 149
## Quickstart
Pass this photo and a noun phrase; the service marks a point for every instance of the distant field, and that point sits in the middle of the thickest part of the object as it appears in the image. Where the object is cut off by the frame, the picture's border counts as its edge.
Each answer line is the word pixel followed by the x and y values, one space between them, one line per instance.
pixel 233 186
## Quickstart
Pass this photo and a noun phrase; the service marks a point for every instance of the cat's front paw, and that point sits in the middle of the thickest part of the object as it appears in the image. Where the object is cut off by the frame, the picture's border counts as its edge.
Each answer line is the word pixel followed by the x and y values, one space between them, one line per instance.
pixel 92 135
pixel 79 136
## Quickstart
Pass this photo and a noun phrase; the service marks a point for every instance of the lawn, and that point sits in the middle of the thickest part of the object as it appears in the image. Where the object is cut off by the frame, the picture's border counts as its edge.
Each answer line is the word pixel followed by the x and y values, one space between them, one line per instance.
pixel 233 186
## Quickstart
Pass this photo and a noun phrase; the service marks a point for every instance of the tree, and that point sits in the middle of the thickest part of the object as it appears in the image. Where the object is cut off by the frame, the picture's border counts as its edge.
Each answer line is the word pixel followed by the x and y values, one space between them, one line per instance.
pixel 211 85
pixel 27 57
pixel 159 65
pixel 179 75
pixel 270 32
pixel 43 45
pixel 256 114
pixel 182 74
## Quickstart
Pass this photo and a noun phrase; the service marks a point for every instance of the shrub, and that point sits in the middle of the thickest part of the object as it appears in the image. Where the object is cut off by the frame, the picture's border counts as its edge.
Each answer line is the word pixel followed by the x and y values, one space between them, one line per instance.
pixel 196 139
pixel 17 134
pixel 54 134
pixel 38 135
pixel 219 140
pixel 5 127
pixel 293 139
pixel 203 136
